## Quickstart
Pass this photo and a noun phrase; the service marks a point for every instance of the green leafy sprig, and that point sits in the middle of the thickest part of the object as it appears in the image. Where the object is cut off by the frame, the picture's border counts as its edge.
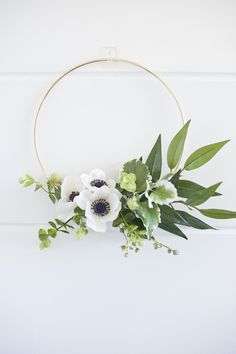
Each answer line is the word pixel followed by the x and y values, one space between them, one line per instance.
pixel 149 201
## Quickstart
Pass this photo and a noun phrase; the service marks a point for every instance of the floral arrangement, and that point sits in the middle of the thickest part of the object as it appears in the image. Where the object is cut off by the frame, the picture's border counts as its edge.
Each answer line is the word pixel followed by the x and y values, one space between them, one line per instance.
pixel 139 202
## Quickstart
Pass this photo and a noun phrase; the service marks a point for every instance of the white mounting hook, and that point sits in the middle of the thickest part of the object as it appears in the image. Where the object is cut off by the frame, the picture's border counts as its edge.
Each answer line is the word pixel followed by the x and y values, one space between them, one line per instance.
pixel 109 53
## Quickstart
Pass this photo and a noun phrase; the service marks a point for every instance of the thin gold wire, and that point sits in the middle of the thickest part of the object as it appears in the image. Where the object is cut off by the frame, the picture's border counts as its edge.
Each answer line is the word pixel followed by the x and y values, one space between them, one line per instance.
pixel 98 60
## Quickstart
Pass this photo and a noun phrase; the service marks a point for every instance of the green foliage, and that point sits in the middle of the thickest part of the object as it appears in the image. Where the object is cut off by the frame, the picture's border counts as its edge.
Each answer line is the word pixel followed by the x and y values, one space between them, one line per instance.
pixel 125 216
pixel 128 181
pixel 134 238
pixel 154 160
pixel 149 216
pixel 202 195
pixel 176 147
pixel 187 189
pixel 192 221
pixel 141 172
pixel 172 228
pixel 170 215
pixel 52 187
pixel 218 213
pixel 44 244
pixel 82 230
pixel 203 155
pixel 141 186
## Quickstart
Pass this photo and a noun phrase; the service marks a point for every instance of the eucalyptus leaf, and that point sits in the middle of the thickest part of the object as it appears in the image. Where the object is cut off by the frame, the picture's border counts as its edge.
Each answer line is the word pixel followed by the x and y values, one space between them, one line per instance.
pixel 43 236
pixel 154 160
pixel 52 232
pixel 201 196
pixel 218 213
pixel 203 155
pixel 176 147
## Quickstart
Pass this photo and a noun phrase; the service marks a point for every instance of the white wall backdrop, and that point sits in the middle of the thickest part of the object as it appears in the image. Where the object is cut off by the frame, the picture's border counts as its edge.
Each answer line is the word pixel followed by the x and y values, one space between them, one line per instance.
pixel 83 297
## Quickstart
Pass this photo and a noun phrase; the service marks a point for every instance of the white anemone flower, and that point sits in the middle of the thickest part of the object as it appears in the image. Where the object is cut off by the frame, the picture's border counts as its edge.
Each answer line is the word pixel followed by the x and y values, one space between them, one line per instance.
pixel 97 179
pixel 101 206
pixel 164 193
pixel 70 188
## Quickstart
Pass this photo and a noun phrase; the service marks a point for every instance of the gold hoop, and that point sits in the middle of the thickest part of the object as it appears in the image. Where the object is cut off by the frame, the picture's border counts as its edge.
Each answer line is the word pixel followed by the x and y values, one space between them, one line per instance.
pixel 98 60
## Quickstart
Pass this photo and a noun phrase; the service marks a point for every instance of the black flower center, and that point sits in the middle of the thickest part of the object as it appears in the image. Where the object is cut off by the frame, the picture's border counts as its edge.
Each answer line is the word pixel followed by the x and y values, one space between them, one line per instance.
pixel 73 195
pixel 100 207
pixel 98 183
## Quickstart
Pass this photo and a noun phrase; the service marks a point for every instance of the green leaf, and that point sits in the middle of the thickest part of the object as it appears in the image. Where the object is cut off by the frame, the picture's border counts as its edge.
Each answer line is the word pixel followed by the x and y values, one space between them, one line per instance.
pixel 172 228
pixel 57 193
pixel 187 189
pixel 149 216
pixel 194 222
pixel 52 197
pixel 203 155
pixel 128 217
pixel 176 178
pixel 42 234
pixel 218 213
pixel 53 224
pixel 64 231
pixel 28 183
pixel 170 215
pixel 38 186
pixel 176 147
pixel 201 196
pixel 154 160
pixel 44 244
pixel 59 222
pixel 52 232
pixel 77 219
pixel 140 170
pixel 50 185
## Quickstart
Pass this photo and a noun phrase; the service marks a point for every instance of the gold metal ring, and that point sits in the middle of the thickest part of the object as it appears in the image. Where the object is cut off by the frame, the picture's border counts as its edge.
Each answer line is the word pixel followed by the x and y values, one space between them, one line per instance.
pixel 98 60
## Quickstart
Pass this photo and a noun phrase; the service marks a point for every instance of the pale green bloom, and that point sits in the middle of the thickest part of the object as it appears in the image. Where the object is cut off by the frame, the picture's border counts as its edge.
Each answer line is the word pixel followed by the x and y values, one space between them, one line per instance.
pixel 128 181
pixel 133 203
pixel 164 193
pixel 81 231
pixel 55 178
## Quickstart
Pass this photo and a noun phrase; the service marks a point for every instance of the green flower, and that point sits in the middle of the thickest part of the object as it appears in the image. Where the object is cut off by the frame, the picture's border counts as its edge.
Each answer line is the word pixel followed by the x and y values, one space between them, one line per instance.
pixel 133 203
pixel 164 193
pixel 81 231
pixel 128 181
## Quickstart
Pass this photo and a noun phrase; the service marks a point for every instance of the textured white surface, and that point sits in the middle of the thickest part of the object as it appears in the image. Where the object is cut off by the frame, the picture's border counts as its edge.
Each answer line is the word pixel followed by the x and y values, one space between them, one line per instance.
pixel 84 297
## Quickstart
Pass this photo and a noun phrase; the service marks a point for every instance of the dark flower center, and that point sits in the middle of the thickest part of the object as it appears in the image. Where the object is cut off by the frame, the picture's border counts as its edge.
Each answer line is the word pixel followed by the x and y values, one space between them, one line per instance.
pixel 98 183
pixel 73 195
pixel 100 207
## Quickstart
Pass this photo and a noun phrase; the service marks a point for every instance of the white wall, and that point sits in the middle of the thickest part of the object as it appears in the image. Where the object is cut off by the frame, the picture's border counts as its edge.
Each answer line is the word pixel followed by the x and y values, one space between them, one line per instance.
pixel 84 297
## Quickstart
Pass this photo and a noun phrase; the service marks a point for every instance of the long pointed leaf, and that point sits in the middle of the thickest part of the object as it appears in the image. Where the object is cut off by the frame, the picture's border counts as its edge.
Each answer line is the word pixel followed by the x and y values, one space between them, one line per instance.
pixel 176 147
pixel 187 189
pixel 175 179
pixel 203 155
pixel 218 213
pixel 169 214
pixel 154 160
pixel 193 221
pixel 200 197
pixel 173 229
